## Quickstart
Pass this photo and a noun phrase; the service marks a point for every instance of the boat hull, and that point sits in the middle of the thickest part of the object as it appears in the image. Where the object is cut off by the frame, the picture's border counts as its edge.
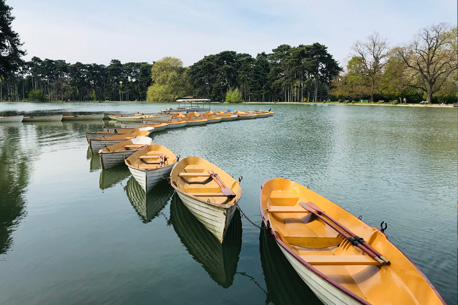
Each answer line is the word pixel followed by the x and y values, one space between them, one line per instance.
pixel 229 118
pixel 149 178
pixel 88 117
pixel 215 219
pixel 47 118
pixel 177 125
pixel 12 119
pixel 111 159
pixel 326 292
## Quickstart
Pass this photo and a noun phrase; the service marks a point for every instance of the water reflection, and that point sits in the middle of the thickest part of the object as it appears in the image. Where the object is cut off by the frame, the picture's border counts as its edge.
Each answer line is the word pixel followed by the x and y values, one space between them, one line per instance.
pixel 284 286
pixel 94 163
pixel 148 206
pixel 111 177
pixel 15 172
pixel 219 260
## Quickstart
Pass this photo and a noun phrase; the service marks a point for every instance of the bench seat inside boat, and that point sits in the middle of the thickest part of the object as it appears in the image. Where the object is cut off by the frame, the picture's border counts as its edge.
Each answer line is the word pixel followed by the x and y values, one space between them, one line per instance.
pixel 194 175
pixel 281 197
pixel 207 194
pixel 133 146
pixel 286 209
pixel 339 260
pixel 313 242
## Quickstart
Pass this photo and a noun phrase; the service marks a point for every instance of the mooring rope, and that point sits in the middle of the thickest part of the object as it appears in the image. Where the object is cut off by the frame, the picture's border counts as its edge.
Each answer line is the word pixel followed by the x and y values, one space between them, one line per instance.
pixel 249 220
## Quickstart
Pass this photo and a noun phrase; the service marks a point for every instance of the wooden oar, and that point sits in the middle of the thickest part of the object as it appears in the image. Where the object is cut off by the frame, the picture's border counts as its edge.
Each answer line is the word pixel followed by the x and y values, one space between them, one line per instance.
pixel 355 237
pixel 226 191
pixel 344 233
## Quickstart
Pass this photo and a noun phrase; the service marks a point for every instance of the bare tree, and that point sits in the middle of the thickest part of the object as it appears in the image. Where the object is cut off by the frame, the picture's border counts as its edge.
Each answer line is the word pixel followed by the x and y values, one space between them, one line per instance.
pixel 432 57
pixel 373 53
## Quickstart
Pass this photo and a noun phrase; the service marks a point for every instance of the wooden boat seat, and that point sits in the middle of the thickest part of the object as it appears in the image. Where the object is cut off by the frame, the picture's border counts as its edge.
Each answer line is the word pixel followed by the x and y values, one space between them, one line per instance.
pixel 133 146
pixel 207 194
pixel 286 209
pixel 194 175
pixel 149 157
pixel 313 242
pixel 339 260
pixel 194 169
pixel 281 197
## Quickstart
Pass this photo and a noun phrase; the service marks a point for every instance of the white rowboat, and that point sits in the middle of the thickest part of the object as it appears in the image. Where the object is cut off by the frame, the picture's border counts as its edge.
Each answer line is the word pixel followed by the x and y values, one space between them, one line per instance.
pixel 208 192
pixel 150 165
pixel 11 119
pixel 113 155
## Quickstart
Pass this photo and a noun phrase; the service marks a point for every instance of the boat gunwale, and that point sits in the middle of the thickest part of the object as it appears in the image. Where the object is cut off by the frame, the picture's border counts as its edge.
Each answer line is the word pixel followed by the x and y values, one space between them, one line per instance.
pixel 319 273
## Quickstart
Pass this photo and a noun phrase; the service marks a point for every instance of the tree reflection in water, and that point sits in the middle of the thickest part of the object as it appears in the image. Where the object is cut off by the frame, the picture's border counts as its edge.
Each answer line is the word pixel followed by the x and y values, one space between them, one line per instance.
pixel 14 177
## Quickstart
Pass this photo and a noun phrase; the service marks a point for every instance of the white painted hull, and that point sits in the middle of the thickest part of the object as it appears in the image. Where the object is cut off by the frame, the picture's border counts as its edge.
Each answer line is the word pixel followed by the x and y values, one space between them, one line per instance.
pixel 326 292
pixel 213 121
pixel 149 178
pixel 196 123
pixel 229 118
pixel 215 219
pixel 172 126
pixel 98 116
pixel 97 145
pixel 12 119
pixel 111 159
pixel 45 118
pixel 161 119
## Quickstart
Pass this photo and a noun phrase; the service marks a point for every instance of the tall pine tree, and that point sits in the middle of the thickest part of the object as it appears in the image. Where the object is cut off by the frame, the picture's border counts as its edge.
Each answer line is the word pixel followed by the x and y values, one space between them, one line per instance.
pixel 10 52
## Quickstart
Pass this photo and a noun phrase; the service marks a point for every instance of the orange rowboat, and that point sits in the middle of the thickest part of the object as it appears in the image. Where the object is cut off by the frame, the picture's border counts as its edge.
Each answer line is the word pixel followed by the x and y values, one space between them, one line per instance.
pixel 342 259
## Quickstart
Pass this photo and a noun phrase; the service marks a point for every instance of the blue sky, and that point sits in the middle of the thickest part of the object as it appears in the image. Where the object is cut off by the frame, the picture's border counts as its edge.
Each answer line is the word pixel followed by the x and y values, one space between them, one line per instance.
pixel 97 31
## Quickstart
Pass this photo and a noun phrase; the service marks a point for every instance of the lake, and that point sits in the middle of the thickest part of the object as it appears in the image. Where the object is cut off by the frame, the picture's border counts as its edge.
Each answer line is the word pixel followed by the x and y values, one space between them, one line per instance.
pixel 71 233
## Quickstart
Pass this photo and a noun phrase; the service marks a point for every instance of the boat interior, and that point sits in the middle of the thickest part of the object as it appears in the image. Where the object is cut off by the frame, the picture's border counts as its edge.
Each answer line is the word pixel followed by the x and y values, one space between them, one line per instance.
pixel 291 211
pixel 152 157
pixel 206 182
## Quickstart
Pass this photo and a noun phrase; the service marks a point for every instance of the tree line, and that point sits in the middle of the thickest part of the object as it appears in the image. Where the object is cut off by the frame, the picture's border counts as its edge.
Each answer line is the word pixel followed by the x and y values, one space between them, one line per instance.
pixel 423 70
pixel 56 80
pixel 289 74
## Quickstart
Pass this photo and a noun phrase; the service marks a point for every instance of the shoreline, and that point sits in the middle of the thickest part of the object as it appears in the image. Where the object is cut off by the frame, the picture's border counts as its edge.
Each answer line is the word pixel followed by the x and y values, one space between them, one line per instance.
pixel 353 104
pixel 262 103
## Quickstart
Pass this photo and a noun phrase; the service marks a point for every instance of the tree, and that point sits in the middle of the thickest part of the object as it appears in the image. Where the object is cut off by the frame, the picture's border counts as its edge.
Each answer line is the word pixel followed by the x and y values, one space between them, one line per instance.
pixel 169 80
pixel 432 56
pixel 372 53
pixel 10 52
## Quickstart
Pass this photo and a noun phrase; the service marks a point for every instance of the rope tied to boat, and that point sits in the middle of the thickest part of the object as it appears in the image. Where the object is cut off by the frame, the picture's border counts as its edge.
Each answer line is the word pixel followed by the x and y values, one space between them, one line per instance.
pixel 249 220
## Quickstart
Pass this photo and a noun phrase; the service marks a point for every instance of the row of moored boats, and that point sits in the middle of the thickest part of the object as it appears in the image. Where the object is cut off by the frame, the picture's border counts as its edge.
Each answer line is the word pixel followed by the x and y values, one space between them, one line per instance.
pixel 50 118
pixel 341 258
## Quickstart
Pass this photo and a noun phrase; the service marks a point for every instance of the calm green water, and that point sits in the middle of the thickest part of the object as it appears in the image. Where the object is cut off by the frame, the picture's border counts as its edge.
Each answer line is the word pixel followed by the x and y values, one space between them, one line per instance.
pixel 71 233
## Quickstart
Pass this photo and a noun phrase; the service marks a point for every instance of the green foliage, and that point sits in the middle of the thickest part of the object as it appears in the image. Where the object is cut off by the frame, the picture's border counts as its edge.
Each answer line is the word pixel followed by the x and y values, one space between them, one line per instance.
pixel 36 95
pixel 10 59
pixel 234 96
pixel 169 79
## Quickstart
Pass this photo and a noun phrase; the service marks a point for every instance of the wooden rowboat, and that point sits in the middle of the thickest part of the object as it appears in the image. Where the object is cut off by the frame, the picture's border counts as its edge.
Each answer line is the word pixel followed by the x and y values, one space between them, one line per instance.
pixel 115 131
pixel 151 164
pixel 11 119
pixel 84 117
pixel 342 259
pixel 196 122
pixel 43 118
pixel 208 192
pixel 99 143
pixel 117 153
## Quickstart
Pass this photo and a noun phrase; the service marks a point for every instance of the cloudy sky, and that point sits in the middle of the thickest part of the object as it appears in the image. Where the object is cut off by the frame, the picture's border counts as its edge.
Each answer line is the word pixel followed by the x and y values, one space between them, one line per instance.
pixel 96 31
